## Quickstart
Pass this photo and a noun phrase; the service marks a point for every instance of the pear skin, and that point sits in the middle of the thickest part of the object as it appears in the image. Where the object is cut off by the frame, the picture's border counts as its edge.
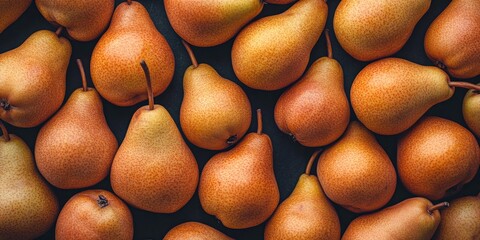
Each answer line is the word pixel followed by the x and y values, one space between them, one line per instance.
pixel 280 1
pixel 33 79
pixel 131 37
pixel 452 40
pixel 11 10
pixel 195 231
pixel 239 186
pixel 471 111
pixel 315 110
pixel 306 213
pixel 210 23
pixel 373 29
pixel 437 157
pixel 460 220
pixel 390 95
pixel 273 52
pixel 28 208
pixel 355 172
pixel 75 148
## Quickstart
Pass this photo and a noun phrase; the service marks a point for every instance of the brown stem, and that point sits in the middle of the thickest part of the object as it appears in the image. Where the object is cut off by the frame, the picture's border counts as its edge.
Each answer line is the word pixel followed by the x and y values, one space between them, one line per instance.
pixel 259 121
pixel 129 2
pixel 4 132
pixel 59 31
pixel 437 207
pixel 311 160
pixel 82 73
pixel 466 85
pixel 102 201
pixel 149 84
pixel 190 54
pixel 329 43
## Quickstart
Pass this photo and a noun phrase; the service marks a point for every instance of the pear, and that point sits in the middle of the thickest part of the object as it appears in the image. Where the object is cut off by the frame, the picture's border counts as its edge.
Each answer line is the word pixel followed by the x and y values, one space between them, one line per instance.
pixel 131 37
pixel 32 77
pixel 471 110
pixel 279 1
pixel 215 112
pixel 84 20
pixel 11 10
pixel 195 231
pixel 373 29
pixel 239 186
pixel 28 208
pixel 355 172
pixel 412 219
pixel 437 157
pixel 451 41
pixel 210 23
pixel 306 213
pixel 75 148
pixel 274 51
pixel 94 214
pixel 460 220
pixel 315 110
pixel 154 169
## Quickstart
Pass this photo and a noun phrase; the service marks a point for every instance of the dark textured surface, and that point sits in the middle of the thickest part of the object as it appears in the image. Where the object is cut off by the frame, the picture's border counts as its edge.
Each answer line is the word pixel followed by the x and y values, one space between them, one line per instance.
pixel 290 158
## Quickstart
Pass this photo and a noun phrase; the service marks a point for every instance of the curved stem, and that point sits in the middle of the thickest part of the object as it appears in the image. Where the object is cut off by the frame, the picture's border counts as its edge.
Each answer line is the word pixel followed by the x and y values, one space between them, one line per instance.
pixel 102 201
pixel 190 54
pixel 466 85
pixel 311 160
pixel 129 2
pixel 59 31
pixel 259 121
pixel 437 207
pixel 149 84
pixel 4 132
pixel 82 73
pixel 329 43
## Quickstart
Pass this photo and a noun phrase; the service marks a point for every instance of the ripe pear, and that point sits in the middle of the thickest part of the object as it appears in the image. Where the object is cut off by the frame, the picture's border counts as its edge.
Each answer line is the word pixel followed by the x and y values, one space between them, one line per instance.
pixel 412 219
pixel 154 169
pixel 306 213
pixel 279 1
pixel 452 40
pixel 355 172
pixel 84 20
pixel 471 110
pixel 215 112
pixel 436 157
pixel 210 23
pixel 32 77
pixel 11 10
pixel 75 148
pixel 195 231
pixel 274 51
pixel 239 186
pixel 131 37
pixel 373 29
pixel 94 214
pixel 460 220
pixel 315 110
pixel 28 207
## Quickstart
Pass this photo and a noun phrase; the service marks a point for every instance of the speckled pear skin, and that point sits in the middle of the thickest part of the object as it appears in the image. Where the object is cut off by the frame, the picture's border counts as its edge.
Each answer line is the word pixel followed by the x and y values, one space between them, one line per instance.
pixel 214 109
pixel 315 110
pixel 75 148
pixel 372 29
pixel 84 20
pixel 355 172
pixel 407 220
pixel 273 52
pixel 33 79
pixel 471 111
pixel 131 37
pixel 239 186
pixel 28 208
pixel 407 90
pixel 452 40
pixel 11 10
pixel 83 217
pixel 280 1
pixel 195 231
pixel 437 157
pixel 210 23
pixel 154 169
pixel 460 220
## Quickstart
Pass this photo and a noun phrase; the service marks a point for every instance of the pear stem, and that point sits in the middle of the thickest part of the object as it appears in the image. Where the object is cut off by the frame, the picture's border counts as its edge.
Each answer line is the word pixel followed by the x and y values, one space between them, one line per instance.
pixel 59 31
pixel 190 54
pixel 311 160
pixel 129 2
pixel 259 121
pixel 102 201
pixel 82 73
pixel 149 84
pixel 329 43
pixel 5 132
pixel 437 207
pixel 466 85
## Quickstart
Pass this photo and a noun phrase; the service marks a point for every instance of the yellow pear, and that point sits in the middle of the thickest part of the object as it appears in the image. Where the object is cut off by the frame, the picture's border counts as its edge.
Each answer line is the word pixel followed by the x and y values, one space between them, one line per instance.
pixel 471 110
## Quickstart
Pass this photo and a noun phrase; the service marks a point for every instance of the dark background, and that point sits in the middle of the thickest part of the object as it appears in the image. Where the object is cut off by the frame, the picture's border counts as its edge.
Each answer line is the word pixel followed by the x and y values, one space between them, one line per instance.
pixel 290 158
